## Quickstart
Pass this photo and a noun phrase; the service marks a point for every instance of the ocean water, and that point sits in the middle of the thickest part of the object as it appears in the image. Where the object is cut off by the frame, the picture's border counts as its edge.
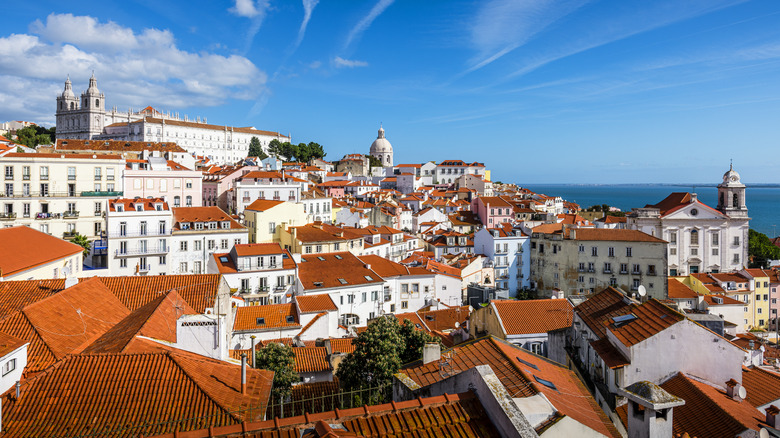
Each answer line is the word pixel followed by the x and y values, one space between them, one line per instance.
pixel 763 202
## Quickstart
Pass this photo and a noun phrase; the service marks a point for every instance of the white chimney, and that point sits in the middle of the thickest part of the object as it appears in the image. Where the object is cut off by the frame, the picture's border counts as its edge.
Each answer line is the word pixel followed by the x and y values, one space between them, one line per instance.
pixel 431 352
pixel 735 390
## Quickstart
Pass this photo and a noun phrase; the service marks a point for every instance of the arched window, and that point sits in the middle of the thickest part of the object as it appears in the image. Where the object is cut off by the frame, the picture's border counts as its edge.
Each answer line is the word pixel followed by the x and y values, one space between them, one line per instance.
pixel 694 237
pixel 723 204
pixel 177 201
pixel 73 105
pixel 97 103
pixel 736 200
pixel 189 201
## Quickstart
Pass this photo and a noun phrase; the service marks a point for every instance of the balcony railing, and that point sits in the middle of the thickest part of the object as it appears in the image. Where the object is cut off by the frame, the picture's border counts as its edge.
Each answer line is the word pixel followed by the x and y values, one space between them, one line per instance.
pixel 8 216
pixel 69 234
pixel 70 215
pixel 102 193
pixel 117 234
pixel 141 252
pixel 44 216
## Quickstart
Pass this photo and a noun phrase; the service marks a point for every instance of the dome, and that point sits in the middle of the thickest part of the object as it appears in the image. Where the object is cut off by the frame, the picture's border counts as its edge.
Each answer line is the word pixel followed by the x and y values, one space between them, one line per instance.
pixel 731 177
pixel 68 92
pixel 381 145
pixel 93 89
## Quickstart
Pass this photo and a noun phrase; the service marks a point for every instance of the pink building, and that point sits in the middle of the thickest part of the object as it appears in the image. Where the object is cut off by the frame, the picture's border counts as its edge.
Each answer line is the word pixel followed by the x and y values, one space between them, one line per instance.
pixel 492 210
pixel 157 177
pixel 774 295
pixel 217 182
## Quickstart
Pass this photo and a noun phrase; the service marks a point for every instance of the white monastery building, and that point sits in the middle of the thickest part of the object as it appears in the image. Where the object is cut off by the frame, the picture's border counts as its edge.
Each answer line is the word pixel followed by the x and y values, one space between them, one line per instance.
pixel 87 118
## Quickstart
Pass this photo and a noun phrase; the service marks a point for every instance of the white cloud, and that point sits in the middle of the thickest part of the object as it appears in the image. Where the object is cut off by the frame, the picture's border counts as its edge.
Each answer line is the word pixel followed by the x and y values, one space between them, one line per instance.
pixel 349 63
pixel 366 21
pixel 248 8
pixel 308 8
pixel 133 69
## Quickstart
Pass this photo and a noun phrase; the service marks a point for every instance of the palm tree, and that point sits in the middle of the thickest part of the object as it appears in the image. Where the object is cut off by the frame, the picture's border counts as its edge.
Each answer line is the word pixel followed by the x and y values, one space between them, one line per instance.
pixel 82 241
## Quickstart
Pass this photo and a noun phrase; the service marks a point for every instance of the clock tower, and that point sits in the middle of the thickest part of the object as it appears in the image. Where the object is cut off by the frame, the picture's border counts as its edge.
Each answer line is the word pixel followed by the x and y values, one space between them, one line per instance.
pixel 731 195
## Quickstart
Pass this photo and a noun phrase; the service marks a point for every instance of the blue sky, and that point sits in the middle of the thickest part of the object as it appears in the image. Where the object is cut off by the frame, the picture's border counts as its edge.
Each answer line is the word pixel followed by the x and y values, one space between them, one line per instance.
pixel 541 91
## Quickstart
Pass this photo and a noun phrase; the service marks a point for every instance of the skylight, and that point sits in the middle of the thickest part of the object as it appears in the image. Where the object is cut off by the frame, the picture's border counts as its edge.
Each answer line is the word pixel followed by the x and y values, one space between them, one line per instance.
pixel 342 281
pixel 290 319
pixel 223 259
pixel 546 383
pixel 260 321
pixel 322 259
pixel 623 319
pixel 368 277
pixel 338 257
pixel 527 363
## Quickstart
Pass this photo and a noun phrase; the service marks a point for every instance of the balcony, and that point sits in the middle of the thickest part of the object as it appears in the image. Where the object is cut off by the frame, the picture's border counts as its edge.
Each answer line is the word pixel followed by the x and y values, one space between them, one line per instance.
pixel 142 252
pixel 113 235
pixel 69 234
pixel 70 215
pixel 7 216
pixel 102 193
pixel 45 216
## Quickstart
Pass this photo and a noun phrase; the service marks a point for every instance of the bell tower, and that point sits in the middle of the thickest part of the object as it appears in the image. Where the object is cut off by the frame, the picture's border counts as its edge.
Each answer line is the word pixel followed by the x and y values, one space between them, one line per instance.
pixel 93 104
pixel 731 195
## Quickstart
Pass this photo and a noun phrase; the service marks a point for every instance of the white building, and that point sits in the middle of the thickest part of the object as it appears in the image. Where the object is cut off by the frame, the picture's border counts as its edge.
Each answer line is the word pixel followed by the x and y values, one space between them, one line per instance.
pixel 158 177
pixel 382 149
pixel 28 254
pixel 509 250
pixel 701 238
pixel 87 118
pixel 139 236
pixel 260 273
pixel 199 232
pixel 266 185
pixel 13 359
pixel 317 205
pixel 448 171
pixel 59 194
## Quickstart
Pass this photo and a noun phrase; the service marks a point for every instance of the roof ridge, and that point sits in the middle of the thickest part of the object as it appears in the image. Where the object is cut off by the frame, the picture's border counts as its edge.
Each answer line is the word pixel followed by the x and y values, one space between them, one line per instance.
pixel 310 323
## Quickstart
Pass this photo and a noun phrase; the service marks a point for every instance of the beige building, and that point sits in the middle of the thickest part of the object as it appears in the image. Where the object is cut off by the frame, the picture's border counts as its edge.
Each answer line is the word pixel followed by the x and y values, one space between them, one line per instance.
pixel 59 194
pixel 583 260
pixel 266 219
pixel 317 238
pixel 27 254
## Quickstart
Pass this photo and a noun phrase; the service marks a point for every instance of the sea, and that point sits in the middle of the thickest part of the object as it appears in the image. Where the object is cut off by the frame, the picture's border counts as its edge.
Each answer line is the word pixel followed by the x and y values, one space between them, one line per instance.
pixel 763 201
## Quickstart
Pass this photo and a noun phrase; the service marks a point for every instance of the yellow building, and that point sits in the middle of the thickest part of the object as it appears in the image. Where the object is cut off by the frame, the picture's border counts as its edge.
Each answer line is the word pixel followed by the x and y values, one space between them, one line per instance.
pixel 266 218
pixel 318 238
pixel 760 284
pixel 741 286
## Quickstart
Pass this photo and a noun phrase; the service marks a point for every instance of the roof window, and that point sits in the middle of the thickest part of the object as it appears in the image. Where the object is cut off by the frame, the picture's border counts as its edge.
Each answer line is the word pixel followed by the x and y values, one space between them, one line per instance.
pixel 318 284
pixel 260 321
pixel 546 383
pixel 342 281
pixel 290 319
pixel 223 259
pixel 338 257
pixel 527 363
pixel 322 259
pixel 368 277
pixel 623 319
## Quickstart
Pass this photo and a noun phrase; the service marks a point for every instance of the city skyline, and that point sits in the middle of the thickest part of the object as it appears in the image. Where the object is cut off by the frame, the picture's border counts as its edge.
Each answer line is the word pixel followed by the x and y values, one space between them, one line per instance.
pixel 574 91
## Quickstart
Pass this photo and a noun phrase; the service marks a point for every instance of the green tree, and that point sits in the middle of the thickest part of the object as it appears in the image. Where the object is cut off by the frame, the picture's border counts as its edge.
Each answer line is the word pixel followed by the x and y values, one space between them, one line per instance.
pixel 275 148
pixel 380 351
pixel 761 249
pixel 255 150
pixel 34 135
pixel 316 150
pixel 281 360
pixel 373 161
pixel 83 242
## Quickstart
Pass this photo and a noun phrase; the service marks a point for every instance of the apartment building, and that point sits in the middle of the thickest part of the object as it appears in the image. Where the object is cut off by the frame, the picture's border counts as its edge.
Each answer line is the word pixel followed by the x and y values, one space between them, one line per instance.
pixel 261 273
pixel 508 249
pixel 199 232
pixel 59 194
pixel 265 185
pixel 159 177
pixel 138 233
pixel 583 260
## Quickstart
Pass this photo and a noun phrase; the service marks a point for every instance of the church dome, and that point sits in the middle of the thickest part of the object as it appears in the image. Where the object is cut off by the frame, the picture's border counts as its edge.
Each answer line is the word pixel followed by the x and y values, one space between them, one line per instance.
pixel 93 89
pixel 381 145
pixel 68 92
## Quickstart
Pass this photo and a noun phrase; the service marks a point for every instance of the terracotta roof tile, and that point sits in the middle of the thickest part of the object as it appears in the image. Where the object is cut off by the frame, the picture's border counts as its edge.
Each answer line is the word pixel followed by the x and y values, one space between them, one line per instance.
pixel 9 344
pixel 652 317
pixel 601 307
pixel 256 249
pixel 609 354
pixel 138 394
pixel 678 290
pixel 312 303
pixel 202 214
pixel 311 359
pixel 198 290
pixel 521 317
pixel 274 316
pixel 24 248
pixel 762 386
pixel 263 204
pixel 70 144
pixel 14 295
pixel 510 363
pixel 326 273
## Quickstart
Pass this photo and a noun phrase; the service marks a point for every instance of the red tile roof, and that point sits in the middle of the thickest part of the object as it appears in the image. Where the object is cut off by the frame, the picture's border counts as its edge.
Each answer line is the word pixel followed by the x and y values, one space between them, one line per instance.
pixel 133 394
pixel 275 316
pixel 678 290
pixel 198 290
pixel 609 354
pixel 614 235
pixel 326 273
pixel 311 359
pixel 459 415
pixel 520 317
pixel 314 303
pixel 676 201
pixel 601 307
pixel 8 344
pixel 14 295
pixel 202 214
pixel 762 386
pixel 116 145
pixel 256 249
pixel 652 317
pixel 571 398
pixel 132 204
pixel 24 248
pixel 263 205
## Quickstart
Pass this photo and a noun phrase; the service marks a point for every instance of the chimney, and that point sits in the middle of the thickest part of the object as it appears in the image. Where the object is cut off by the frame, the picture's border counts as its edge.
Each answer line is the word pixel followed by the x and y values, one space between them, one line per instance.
pixel 735 390
pixel 771 416
pixel 252 351
pixel 243 373
pixel 431 352
pixel 18 390
pixel 694 197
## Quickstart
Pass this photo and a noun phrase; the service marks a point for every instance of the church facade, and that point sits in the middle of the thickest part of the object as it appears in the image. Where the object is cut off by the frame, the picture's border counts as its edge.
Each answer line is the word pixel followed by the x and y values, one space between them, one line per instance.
pixel 701 238
pixel 86 118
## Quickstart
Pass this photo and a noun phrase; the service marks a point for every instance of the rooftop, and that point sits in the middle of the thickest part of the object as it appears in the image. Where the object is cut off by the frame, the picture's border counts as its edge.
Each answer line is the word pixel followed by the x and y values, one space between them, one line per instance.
pixel 520 317
pixel 24 248
pixel 337 269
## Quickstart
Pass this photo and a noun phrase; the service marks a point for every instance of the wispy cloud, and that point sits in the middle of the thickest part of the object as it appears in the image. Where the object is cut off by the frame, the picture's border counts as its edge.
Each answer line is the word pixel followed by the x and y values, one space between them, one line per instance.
pixel 308 8
pixel 502 26
pixel 366 21
pixel 340 62
pixel 256 11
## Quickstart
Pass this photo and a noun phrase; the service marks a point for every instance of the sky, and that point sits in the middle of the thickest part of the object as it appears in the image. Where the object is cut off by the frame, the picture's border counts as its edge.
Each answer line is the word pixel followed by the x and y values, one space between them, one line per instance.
pixel 541 91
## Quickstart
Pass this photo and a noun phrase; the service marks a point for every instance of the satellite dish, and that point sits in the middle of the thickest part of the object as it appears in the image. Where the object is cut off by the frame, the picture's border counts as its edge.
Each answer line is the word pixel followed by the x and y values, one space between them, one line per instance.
pixel 457 324
pixel 742 393
pixel 66 271
pixel 763 433
pixel 642 291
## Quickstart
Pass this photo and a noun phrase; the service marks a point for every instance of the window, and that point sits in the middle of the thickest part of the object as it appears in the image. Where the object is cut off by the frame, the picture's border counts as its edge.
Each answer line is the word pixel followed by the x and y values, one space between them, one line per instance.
pixel 635 269
pixel 694 237
pixel 142 228
pixel 26 172
pixel 122 247
pixel 624 268
pixel 122 263
pixel 736 258
pixel 177 201
pixel 26 209
pixel 44 189
pixel 714 238
pixel 673 237
pixel 607 268
pixel 672 251
pixel 9 190
pixel 594 251
pixel 736 240
pixel 162 260
pixel 44 171
pixel 71 173
pixel 582 248
pixel 272 227
pixel 109 173
pixel 183 267
pixel 223 244
pixel 591 267
pixel 196 246
pixel 189 201
pixel 628 251
pixel 183 245
pixel 188 184
pixel 611 251
pixel 374 295
pixel 404 304
pixel 536 348
pixel 123 228
pixel 673 272
pixel 211 245
pixel 98 174
pixel 714 251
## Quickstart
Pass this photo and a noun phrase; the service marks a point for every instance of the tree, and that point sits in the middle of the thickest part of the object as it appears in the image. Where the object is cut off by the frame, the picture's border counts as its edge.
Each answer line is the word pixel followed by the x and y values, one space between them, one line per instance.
pixel 761 249
pixel 255 150
pixel 379 353
pixel 83 242
pixel 34 135
pixel 374 161
pixel 275 148
pixel 281 360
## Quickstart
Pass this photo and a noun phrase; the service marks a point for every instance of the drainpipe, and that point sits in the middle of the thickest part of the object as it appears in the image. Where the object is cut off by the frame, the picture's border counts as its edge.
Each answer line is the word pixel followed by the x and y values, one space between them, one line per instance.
pixel 252 351
pixel 243 373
